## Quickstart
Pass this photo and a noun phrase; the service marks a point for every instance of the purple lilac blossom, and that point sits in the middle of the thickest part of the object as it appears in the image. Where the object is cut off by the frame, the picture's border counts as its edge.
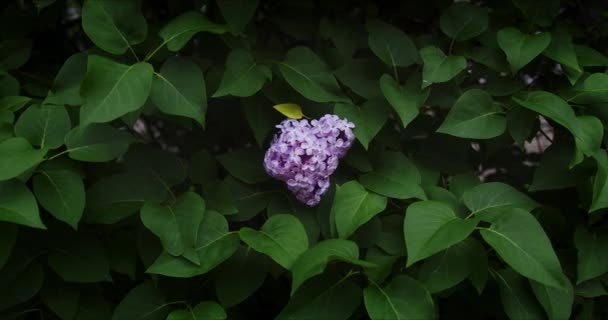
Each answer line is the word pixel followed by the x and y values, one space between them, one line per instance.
pixel 305 154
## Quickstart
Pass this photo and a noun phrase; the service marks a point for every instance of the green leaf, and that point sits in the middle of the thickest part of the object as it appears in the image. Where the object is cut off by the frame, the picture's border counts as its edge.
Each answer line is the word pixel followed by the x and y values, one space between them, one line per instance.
pixel 14 53
pixel 346 34
pixel 13 103
pixel 474 116
pixel 179 89
pixel 7 118
pixel 550 106
pixel 244 164
pixel 44 126
pixel 206 310
pixel 122 252
pixel 282 237
pixel 586 129
pixel 116 197
pixel 176 224
pixel 6 131
pixel 243 77
pixel 588 138
pixel 92 306
pixel 438 67
pixel 516 297
pixel 61 298
pixel 488 199
pixel 463 21
pixel 394 176
pixel 402 298
pixel 8 238
pixel 556 302
pixel 155 162
pixel 391 45
pixel 405 100
pixel 111 89
pixel 491 57
pixel 521 48
pixel 521 242
pixel 61 192
pixel 447 197
pixel 18 205
pixel 327 295
pixel 384 261
pixel 562 51
pixel 21 280
pixel 432 226
pixel 449 267
pixel 143 301
pixel 541 12
pixel 182 28
pixel 591 263
pixel 79 258
pixel 591 289
pixel 114 25
pixel 260 117
pixel 361 76
pixel 354 206
pixel 310 76
pixel 593 90
pixel 391 237
pixel 520 124
pixel 214 245
pixel 287 204
pixel 147 245
pixel 247 200
pixel 479 266
pixel 237 13
pixel 553 171
pixel 313 261
pixel 368 119
pixel 17 156
pixel 202 167
pixel 66 86
pixel 358 158
pixel 240 276
pixel 9 86
pixel 97 143
pixel 589 57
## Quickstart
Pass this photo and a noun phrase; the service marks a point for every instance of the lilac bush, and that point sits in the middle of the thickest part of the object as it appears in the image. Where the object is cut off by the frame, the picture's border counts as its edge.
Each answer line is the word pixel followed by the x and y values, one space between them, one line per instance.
pixel 305 154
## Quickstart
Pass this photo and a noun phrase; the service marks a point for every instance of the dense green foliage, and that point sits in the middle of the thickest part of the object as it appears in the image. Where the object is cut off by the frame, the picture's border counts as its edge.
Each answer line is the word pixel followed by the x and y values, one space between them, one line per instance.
pixel 132 135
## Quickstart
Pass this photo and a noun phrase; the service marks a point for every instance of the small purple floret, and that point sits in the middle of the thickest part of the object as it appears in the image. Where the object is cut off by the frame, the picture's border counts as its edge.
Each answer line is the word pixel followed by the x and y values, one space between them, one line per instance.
pixel 304 154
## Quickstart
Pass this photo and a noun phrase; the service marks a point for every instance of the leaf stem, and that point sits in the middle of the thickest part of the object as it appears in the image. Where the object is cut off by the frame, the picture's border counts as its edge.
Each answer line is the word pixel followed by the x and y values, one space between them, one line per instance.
pixel 58 155
pixel 153 52
pixel 470 215
pixel 133 53
pixel 396 73
pixel 162 306
pixel 451 46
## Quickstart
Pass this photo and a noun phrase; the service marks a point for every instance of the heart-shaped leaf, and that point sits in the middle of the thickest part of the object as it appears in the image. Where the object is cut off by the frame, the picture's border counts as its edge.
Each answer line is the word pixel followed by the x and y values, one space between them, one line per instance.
pixel 438 67
pixel 282 237
pixel 475 116
pixel 243 76
pixel 309 76
pixel 521 48
pixel 111 89
pixel 432 226
pixel 179 89
pixel 354 206
pixel 368 119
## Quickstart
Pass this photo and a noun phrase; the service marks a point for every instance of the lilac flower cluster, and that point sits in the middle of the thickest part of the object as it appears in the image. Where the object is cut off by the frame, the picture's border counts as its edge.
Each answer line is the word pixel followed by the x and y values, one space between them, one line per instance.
pixel 304 154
